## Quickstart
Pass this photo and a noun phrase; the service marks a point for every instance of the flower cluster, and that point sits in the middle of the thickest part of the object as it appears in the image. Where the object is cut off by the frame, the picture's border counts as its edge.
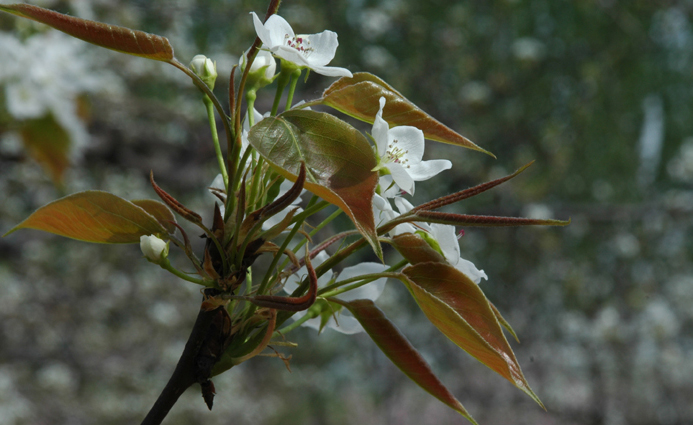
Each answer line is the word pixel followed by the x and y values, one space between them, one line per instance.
pixel 259 210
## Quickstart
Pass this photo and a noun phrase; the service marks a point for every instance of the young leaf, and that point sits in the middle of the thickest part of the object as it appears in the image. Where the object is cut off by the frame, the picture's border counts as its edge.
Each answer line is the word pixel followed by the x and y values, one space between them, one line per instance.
pixel 483 220
pixel 113 37
pixel 93 216
pixel 339 161
pixel 459 309
pixel 398 349
pixel 415 249
pixel 358 97
pixel 159 211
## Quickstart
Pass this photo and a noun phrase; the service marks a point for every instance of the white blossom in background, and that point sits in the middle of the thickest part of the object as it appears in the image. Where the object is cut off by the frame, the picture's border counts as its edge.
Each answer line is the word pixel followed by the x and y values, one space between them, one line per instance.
pixel 342 321
pixel 313 51
pixel 400 150
pixel 45 74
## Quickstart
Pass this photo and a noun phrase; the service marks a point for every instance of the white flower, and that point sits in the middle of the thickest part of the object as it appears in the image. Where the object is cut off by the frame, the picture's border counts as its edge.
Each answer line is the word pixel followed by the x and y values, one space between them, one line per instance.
pixel 344 322
pixel 383 212
pixel 400 150
pixel 153 248
pixel 312 51
pixel 443 234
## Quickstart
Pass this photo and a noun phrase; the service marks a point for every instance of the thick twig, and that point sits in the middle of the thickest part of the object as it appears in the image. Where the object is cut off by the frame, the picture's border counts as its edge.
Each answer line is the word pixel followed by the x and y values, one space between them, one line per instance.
pixel 184 375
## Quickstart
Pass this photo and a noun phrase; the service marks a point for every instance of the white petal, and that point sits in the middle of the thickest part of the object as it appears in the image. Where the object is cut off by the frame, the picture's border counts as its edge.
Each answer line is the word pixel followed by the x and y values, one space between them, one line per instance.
pixel 409 139
pixel 424 170
pixel 445 235
pixel 401 177
pixel 323 45
pixel 370 291
pixel 403 205
pixel 388 187
pixel 469 269
pixel 380 129
pixel 401 229
pixel 261 31
pixel 278 29
pixel 346 324
pixel 292 55
pixel 332 71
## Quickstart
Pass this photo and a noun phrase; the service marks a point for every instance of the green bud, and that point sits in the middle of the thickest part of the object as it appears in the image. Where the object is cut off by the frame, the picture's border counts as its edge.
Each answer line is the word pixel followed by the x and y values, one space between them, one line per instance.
pixel 205 69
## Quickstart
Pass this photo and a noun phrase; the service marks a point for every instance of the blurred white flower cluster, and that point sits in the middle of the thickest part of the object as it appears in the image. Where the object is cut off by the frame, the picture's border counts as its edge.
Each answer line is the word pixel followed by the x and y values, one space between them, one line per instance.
pixel 45 74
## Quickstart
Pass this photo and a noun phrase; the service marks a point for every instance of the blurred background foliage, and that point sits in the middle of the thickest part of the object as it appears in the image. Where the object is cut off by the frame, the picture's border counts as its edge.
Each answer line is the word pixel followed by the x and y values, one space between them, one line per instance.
pixel 598 92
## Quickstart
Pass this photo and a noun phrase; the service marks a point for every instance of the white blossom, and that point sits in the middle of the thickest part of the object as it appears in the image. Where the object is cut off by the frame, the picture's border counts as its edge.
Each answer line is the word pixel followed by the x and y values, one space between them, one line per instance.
pixel 400 150
pixel 312 51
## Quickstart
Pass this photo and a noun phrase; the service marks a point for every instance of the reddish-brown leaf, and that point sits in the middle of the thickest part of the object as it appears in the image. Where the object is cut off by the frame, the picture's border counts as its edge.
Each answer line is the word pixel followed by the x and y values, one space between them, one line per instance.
pixel 93 216
pixel 415 249
pixel 113 37
pixel 339 161
pixel 398 349
pixel 483 220
pixel 459 309
pixel 359 96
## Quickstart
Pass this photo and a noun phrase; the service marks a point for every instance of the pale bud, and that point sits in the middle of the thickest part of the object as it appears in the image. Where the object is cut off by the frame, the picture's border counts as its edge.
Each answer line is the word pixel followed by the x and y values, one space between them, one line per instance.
pixel 153 248
pixel 205 69
pixel 262 70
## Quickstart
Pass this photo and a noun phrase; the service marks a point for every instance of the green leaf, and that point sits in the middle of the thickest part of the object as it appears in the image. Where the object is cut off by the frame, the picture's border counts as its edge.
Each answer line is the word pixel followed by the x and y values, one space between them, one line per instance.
pixel 93 216
pixel 398 349
pixel 339 161
pixel 159 211
pixel 113 37
pixel 459 309
pixel 359 96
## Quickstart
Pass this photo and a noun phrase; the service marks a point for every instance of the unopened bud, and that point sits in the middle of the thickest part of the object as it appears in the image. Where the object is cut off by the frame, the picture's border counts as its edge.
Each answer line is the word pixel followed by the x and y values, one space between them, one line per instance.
pixel 205 69
pixel 262 69
pixel 153 248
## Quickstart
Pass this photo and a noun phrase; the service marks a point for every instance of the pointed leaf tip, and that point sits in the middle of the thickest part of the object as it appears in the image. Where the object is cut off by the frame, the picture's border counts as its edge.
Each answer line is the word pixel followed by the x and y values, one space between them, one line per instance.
pixel 400 351
pixel 112 37
pixel 460 310
pixel 358 97
pixel 93 216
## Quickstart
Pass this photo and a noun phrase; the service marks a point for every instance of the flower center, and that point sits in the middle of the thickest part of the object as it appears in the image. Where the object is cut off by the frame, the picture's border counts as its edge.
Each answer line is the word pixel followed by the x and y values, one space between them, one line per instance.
pixel 396 154
pixel 299 43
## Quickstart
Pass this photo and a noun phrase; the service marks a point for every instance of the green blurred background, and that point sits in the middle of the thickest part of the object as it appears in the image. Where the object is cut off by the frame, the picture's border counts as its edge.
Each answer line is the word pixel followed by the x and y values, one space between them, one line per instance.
pixel 599 93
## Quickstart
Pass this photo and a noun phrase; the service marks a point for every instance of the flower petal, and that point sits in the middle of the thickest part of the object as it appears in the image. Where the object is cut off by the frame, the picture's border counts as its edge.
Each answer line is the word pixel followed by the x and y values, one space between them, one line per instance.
pixel 380 129
pixel 401 177
pixel 276 31
pixel 323 47
pixel 424 170
pixel 370 290
pixel 470 270
pixel 410 140
pixel 332 71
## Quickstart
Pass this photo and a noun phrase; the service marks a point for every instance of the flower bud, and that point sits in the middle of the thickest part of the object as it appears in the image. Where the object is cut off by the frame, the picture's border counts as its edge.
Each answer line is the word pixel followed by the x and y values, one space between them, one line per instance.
pixel 153 248
pixel 205 69
pixel 262 70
